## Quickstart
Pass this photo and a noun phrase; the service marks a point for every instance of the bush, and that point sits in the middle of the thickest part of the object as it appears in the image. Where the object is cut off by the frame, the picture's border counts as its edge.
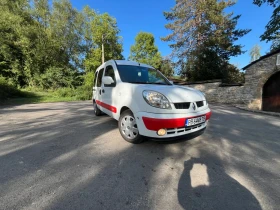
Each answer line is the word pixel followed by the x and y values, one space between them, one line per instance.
pixel 83 93
pixel 8 90
pixel 233 76
pixel 80 93
pixel 64 92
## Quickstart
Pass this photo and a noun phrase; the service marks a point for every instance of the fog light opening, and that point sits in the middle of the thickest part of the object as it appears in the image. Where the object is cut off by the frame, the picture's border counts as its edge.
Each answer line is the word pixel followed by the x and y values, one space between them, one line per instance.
pixel 161 132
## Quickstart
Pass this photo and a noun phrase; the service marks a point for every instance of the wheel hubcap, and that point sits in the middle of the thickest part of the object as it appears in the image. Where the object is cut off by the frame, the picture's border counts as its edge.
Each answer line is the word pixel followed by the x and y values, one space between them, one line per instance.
pixel 129 127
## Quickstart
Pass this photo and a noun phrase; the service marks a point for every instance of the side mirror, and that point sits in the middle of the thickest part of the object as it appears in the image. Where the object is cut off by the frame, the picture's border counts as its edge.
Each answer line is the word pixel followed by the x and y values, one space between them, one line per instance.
pixel 107 80
pixel 171 82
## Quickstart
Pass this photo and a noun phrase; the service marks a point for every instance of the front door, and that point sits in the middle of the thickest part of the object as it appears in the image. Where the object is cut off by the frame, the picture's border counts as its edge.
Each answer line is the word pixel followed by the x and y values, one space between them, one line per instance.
pixel 108 92
pixel 98 89
pixel 94 86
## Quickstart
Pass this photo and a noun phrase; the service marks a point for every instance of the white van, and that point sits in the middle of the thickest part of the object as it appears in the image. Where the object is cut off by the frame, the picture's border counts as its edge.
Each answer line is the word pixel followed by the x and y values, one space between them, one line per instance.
pixel 146 103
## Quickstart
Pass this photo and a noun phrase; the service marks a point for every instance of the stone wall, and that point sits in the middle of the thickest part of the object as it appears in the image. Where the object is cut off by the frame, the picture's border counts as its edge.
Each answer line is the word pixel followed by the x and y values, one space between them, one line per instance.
pixel 256 76
pixel 215 93
pixel 257 73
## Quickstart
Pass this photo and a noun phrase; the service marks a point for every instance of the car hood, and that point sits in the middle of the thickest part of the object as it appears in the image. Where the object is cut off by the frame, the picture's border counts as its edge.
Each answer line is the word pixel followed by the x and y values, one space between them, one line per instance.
pixel 176 94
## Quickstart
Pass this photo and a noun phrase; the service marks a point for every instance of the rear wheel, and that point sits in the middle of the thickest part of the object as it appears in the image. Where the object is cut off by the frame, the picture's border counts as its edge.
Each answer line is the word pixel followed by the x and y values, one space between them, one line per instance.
pixel 97 111
pixel 128 128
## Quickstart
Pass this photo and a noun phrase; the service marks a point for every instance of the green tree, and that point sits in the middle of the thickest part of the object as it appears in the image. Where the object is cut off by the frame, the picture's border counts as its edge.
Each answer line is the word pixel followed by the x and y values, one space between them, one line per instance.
pixel 40 44
pixel 38 49
pixel 145 51
pixel 54 57
pixel 101 28
pixel 271 2
pixel 166 67
pixel 275 44
pixel 67 26
pixel 49 44
pixel 272 32
pixel 255 52
pixel 15 22
pixel 203 37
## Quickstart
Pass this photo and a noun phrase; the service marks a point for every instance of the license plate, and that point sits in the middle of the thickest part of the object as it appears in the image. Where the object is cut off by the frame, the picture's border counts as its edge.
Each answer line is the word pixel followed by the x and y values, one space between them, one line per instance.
pixel 195 121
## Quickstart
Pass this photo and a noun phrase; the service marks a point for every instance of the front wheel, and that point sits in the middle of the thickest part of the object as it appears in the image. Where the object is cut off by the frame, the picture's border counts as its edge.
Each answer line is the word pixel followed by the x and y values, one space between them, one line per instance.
pixel 128 128
pixel 97 111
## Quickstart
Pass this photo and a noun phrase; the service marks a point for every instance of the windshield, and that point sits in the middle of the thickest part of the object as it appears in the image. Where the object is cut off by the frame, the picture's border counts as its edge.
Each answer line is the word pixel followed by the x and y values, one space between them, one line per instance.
pixel 141 75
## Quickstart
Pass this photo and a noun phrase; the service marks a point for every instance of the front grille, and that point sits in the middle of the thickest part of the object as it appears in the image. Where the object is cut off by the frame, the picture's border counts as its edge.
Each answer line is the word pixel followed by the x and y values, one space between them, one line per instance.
pixel 199 104
pixel 184 105
pixel 185 129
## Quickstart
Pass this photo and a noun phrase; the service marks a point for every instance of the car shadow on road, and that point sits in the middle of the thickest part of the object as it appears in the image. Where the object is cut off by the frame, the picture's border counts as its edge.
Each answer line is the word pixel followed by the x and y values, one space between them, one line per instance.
pixel 204 184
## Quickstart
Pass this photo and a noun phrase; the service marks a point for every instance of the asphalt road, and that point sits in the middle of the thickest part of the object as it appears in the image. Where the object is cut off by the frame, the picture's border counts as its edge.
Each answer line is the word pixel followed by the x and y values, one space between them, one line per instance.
pixel 60 156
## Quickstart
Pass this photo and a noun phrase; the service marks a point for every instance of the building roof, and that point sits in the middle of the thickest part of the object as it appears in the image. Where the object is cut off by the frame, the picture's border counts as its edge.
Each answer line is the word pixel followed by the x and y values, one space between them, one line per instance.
pixel 261 58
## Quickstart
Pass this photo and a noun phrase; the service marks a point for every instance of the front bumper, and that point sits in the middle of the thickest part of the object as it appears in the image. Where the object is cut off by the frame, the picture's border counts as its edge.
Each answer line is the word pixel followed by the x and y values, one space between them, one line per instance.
pixel 149 123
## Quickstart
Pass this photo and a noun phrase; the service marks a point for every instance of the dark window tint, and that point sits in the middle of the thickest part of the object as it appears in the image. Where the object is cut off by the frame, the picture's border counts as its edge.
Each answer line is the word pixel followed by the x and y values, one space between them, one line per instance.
pixel 94 80
pixel 110 72
pixel 99 79
pixel 141 75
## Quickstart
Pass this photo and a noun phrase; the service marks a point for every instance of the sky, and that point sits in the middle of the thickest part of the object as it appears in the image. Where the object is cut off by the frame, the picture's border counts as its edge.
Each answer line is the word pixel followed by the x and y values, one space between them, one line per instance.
pixel 134 16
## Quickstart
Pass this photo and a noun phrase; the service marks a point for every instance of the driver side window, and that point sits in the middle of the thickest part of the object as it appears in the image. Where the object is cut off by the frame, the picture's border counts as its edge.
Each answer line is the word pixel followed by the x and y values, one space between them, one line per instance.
pixel 109 71
pixel 99 79
pixel 95 78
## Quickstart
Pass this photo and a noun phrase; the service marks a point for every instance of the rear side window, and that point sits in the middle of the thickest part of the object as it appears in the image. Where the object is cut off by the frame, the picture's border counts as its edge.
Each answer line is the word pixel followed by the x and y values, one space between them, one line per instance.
pixel 99 79
pixel 95 78
pixel 110 72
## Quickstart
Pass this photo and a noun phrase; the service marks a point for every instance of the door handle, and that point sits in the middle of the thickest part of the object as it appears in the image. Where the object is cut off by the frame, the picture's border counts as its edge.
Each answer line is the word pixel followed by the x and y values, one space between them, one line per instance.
pixel 103 91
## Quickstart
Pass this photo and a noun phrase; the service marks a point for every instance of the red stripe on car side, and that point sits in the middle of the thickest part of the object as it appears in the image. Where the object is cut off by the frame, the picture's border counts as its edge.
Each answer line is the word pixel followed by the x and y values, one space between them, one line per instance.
pixel 107 106
pixel 155 124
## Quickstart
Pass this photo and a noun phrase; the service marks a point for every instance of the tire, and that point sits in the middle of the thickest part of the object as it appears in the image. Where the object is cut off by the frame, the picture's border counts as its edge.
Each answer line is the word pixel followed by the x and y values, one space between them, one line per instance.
pixel 97 111
pixel 128 128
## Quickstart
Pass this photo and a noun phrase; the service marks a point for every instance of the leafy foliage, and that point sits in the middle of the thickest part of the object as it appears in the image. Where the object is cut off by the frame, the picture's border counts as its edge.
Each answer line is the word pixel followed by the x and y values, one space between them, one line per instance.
pixel 8 90
pixel 272 32
pixel 233 75
pixel 14 27
pixel 260 2
pixel 145 51
pixel 49 44
pixel 101 28
pixel 273 27
pixel 275 44
pixel 166 67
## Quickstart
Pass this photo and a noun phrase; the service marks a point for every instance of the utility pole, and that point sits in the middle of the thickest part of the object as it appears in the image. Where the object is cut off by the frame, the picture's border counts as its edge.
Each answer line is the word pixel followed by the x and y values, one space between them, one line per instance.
pixel 103 57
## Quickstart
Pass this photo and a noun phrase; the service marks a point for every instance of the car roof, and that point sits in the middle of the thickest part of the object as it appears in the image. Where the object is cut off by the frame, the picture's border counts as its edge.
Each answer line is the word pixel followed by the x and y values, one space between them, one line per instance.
pixel 124 62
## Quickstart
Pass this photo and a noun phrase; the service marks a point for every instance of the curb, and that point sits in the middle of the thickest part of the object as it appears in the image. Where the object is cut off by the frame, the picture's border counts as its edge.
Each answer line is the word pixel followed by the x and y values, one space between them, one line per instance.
pixel 258 111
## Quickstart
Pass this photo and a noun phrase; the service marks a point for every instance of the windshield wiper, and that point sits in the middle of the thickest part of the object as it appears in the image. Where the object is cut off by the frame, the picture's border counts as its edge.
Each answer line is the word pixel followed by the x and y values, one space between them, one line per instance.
pixel 150 83
pixel 139 82
pixel 160 83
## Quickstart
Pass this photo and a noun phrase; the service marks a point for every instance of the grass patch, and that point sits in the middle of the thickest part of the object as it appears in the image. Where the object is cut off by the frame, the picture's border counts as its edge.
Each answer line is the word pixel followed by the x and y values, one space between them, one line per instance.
pixel 31 97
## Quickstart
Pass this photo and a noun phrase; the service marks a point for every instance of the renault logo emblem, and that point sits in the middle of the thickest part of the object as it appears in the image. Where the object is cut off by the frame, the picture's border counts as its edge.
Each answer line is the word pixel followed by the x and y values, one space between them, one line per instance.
pixel 193 106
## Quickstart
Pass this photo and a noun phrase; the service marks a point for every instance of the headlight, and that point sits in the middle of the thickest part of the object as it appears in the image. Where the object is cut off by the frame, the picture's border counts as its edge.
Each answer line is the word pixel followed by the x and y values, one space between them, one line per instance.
pixel 204 97
pixel 156 99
